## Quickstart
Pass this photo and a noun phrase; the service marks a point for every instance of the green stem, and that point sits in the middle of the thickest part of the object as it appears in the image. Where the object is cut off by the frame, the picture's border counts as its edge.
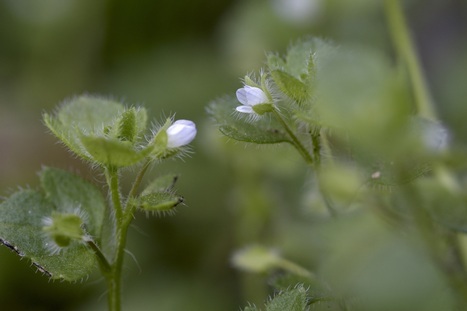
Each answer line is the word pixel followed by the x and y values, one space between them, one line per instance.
pixel 130 210
pixel 101 259
pixel 405 49
pixel 112 180
pixel 301 149
pixel 113 272
pixel 456 272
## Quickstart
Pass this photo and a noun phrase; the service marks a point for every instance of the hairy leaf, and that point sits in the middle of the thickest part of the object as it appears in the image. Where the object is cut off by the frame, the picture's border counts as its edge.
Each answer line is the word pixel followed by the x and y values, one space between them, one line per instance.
pixel 260 130
pixel 113 152
pixel 289 300
pixel 21 230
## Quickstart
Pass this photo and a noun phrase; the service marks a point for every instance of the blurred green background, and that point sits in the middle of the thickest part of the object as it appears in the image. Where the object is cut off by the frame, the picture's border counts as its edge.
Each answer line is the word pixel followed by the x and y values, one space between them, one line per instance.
pixel 175 57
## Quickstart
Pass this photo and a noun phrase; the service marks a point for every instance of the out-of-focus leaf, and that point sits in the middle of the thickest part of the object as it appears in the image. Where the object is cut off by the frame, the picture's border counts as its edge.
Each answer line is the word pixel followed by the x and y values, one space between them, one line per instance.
pixel 289 300
pixel 447 207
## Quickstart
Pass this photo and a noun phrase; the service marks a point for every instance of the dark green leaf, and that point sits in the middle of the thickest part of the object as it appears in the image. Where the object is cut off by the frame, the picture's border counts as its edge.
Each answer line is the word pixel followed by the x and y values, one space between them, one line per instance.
pixel 67 191
pixel 21 230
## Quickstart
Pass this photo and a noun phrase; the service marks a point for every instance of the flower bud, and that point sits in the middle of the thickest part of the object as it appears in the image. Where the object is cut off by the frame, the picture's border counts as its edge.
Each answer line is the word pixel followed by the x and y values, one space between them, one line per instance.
pixel 180 133
pixel 63 229
pixel 250 96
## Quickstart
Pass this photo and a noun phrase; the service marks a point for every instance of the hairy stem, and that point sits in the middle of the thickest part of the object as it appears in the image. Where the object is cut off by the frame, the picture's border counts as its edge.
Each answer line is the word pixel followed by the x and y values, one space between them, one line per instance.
pixel 114 186
pixel 301 149
pixel 124 216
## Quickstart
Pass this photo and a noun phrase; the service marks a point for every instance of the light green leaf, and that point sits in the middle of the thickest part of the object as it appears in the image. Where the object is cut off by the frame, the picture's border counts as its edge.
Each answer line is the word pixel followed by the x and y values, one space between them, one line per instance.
pixel 158 202
pixel 113 152
pixel 447 207
pixel 82 115
pixel 161 184
pixel 289 300
pixel 21 230
pixel 261 130
pixel 294 75
pixel 290 86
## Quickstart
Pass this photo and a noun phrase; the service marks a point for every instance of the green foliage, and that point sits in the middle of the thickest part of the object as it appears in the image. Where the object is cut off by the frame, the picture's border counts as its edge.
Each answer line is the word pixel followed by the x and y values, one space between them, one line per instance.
pixel 23 219
pixel 262 131
pixel 82 116
pixel 294 299
pixel 290 300
pixel 67 228
pixel 103 132
pixel 349 112
pixel 294 75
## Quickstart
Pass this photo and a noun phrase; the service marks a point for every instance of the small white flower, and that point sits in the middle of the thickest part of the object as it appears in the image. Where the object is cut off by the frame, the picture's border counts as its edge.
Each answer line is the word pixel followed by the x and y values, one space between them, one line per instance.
pixel 180 133
pixel 249 96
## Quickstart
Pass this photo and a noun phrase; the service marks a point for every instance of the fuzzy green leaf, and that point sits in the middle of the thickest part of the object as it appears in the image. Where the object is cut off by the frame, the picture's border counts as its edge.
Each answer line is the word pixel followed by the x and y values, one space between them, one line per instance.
pixel 289 300
pixel 22 222
pixel 21 230
pixel 290 86
pixel 68 191
pixel 446 206
pixel 294 75
pixel 161 184
pixel 82 115
pixel 158 202
pixel 113 152
pixel 262 130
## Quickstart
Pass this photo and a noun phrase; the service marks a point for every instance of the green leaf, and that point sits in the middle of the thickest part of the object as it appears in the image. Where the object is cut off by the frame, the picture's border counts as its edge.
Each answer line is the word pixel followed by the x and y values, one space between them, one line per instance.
pixel 290 86
pixel 113 152
pixel 67 191
pixel 261 130
pixel 295 74
pixel 131 125
pixel 289 300
pixel 360 90
pixel 446 206
pixel 21 230
pixel 161 184
pixel 22 222
pixel 82 115
pixel 158 202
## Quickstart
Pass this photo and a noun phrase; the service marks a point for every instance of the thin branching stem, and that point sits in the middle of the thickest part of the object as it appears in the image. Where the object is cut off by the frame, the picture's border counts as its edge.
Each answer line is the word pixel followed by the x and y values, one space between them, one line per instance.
pixel 124 216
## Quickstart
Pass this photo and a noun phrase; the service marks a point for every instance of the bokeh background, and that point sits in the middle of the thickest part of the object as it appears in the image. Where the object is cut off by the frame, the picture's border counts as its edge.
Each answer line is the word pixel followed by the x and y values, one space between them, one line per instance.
pixel 175 57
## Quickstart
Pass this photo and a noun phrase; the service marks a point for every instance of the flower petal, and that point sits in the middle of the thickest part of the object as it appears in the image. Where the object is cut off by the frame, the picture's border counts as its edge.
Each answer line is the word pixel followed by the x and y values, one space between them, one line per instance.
pixel 250 96
pixel 180 133
pixel 245 109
